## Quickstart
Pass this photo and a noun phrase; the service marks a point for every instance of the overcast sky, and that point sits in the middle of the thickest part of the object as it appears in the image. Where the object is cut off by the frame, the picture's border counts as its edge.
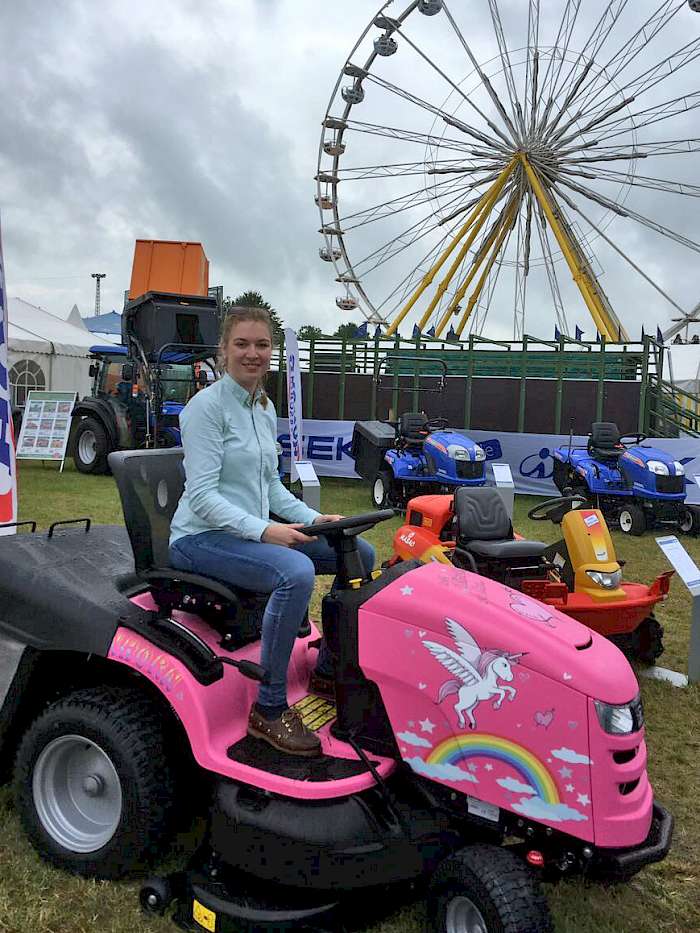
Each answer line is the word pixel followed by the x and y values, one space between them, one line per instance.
pixel 200 121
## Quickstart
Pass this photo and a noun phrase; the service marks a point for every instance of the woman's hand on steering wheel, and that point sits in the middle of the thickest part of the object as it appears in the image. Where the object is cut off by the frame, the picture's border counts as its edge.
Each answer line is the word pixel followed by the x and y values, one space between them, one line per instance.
pixel 286 535
pixel 327 518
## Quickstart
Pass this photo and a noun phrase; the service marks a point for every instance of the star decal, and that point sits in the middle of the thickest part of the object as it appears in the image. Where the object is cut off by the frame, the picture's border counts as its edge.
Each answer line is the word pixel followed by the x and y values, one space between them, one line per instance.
pixel 569 788
pixel 583 799
pixel 472 767
pixel 426 726
pixel 488 767
pixel 411 724
pixel 565 772
pixel 406 590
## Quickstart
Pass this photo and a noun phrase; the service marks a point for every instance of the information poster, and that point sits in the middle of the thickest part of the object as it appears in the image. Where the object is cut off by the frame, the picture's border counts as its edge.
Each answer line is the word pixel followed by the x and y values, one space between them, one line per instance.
pixel 46 426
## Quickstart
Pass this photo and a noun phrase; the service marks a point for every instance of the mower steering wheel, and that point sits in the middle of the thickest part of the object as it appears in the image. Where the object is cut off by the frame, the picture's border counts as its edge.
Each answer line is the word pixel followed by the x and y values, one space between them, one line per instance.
pixel 553 510
pixel 344 525
pixel 436 424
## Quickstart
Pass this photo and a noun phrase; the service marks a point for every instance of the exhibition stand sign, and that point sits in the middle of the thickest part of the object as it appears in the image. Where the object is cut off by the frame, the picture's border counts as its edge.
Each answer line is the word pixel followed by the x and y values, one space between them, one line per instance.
pixel 46 426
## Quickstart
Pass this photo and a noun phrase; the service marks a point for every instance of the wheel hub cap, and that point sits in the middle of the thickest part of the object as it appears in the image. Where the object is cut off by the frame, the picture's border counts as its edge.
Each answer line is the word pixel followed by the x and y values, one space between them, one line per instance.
pixel 77 793
pixel 87 446
pixel 463 916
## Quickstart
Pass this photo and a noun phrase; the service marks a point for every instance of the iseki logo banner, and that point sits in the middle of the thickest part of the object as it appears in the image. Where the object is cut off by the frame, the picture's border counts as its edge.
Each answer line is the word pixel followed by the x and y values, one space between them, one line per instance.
pixel 8 484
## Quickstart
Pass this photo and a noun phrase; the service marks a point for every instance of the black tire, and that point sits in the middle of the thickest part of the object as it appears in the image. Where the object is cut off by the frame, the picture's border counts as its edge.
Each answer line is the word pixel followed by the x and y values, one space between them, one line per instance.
pixel 382 489
pixel 648 641
pixel 497 883
pixel 689 521
pixel 122 725
pixel 92 447
pixel 156 895
pixel 632 520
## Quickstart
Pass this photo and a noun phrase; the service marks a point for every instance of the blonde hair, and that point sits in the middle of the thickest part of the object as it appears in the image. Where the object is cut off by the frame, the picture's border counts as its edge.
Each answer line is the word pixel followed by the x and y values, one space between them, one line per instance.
pixel 236 315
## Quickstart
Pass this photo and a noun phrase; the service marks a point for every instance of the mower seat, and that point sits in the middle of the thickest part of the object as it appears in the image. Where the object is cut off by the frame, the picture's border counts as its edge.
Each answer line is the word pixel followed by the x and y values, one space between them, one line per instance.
pixel 604 442
pixel 413 428
pixel 484 527
pixel 150 484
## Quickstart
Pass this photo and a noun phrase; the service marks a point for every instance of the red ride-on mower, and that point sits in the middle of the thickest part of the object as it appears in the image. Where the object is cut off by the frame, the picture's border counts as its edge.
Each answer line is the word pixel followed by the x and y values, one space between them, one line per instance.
pixel 579 574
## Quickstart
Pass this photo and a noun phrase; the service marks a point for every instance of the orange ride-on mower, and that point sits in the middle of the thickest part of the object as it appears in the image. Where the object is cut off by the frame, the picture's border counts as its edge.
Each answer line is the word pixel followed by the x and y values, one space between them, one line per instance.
pixel 579 574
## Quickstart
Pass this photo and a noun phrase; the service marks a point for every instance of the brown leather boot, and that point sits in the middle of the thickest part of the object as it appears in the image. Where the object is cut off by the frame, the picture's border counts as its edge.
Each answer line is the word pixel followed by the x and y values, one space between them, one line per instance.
pixel 287 733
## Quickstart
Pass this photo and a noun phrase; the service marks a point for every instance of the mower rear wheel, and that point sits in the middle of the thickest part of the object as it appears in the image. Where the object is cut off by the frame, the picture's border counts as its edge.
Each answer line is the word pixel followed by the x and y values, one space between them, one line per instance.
pixel 486 889
pixel 648 641
pixel 382 489
pixel 94 789
pixel 632 520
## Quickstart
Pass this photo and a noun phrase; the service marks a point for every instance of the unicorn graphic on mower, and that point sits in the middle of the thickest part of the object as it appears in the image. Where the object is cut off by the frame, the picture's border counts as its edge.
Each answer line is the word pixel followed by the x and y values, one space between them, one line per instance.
pixel 478 672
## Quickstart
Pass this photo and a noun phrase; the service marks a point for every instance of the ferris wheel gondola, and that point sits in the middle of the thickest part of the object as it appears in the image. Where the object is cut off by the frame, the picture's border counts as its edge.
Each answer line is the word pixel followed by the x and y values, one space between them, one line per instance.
pixel 440 192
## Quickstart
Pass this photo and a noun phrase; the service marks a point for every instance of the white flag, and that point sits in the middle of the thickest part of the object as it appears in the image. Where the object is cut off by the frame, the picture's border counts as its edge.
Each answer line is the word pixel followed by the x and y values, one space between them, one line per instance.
pixel 294 399
pixel 8 475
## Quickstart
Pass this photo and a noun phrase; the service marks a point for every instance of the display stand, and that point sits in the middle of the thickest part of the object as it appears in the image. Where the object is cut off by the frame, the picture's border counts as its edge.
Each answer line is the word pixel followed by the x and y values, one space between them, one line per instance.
pixel 46 426
pixel 310 485
pixel 688 571
pixel 503 480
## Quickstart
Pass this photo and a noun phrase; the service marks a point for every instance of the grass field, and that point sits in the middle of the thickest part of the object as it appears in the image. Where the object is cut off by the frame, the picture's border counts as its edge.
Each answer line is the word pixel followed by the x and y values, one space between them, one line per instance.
pixel 664 898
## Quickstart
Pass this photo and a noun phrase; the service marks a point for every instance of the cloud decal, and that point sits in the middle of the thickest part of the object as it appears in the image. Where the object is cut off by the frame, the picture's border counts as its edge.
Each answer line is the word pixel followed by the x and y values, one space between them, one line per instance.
pixel 569 755
pixel 444 772
pixel 517 787
pixel 410 738
pixel 538 809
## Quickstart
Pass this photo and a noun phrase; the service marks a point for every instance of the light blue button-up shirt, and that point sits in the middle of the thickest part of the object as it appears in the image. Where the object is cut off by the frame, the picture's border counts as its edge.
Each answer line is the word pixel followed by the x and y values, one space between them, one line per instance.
pixel 232 482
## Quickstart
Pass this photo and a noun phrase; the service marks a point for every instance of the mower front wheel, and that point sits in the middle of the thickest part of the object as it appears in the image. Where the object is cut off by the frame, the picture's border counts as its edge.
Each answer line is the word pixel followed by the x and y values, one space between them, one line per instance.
pixel 689 521
pixel 382 489
pixel 632 520
pixel 486 889
pixel 94 787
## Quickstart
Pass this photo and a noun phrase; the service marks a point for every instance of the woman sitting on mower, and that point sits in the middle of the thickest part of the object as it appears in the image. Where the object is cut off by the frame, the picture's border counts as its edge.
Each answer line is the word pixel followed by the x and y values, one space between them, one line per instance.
pixel 222 525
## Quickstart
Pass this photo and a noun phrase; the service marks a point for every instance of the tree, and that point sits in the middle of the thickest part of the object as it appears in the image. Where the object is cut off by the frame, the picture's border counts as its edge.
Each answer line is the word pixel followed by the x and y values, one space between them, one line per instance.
pixel 251 299
pixel 309 332
pixel 348 331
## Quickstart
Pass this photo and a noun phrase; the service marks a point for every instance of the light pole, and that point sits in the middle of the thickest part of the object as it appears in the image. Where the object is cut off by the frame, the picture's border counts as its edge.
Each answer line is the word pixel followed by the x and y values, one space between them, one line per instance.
pixel 97 276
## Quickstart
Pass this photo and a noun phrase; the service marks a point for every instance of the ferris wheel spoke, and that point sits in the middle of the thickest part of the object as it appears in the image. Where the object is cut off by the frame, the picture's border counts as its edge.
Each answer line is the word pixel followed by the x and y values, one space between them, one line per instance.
pixel 668 186
pixel 516 109
pixel 642 119
pixel 551 272
pixel 634 215
pixel 403 169
pixel 561 42
pixel 482 137
pixel 634 46
pixel 638 150
pixel 498 103
pixel 409 136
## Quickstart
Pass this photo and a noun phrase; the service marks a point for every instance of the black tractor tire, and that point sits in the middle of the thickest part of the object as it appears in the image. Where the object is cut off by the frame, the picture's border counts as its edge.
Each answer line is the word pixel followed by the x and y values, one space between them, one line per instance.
pixel 492 882
pixel 382 489
pixel 92 447
pixel 124 734
pixel 632 520
pixel 648 641
pixel 689 520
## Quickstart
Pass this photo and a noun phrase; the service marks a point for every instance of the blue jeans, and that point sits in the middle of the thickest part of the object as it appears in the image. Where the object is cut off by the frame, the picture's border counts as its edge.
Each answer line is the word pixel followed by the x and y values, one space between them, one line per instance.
pixel 286 573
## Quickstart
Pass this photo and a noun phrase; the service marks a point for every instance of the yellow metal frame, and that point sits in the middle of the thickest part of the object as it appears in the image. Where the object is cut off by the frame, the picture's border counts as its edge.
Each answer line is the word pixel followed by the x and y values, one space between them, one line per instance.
pixel 603 316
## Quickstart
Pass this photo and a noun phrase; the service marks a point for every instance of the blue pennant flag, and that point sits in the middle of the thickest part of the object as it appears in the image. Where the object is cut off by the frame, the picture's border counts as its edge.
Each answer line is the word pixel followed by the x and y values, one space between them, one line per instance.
pixel 378 331
pixel 597 337
pixel 579 333
pixel 431 332
pixel 361 331
pixel 643 334
pixel 557 333
pixel 451 334
pixel 416 330
pixel 659 335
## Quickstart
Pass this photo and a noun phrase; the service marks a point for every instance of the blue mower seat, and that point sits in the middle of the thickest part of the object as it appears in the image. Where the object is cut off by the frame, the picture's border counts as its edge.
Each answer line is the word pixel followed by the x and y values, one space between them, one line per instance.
pixel 413 428
pixel 604 441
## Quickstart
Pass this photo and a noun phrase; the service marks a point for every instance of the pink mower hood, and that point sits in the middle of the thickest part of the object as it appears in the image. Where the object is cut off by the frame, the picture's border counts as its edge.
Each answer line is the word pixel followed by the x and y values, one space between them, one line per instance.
pixel 500 619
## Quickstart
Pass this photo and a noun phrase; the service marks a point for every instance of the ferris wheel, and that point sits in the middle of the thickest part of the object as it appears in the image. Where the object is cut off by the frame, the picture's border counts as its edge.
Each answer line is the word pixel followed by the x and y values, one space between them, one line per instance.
pixel 469 164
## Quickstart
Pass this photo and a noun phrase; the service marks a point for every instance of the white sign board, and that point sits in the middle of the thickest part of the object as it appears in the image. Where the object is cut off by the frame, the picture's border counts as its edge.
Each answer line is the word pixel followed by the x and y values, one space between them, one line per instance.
pixel 682 562
pixel 46 426
pixel 502 474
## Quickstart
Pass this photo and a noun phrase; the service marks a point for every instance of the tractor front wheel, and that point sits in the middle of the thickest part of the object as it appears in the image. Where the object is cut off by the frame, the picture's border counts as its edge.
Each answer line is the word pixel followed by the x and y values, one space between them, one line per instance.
pixel 382 489
pixel 91 447
pixel 486 889
pixel 632 520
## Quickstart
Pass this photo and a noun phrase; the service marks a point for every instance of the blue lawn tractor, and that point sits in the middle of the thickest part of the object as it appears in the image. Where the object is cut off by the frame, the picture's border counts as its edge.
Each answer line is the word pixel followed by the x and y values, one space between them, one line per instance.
pixel 635 485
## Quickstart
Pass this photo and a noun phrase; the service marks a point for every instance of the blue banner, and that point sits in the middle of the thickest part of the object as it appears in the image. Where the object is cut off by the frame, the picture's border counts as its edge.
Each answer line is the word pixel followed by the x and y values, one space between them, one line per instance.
pixel 8 476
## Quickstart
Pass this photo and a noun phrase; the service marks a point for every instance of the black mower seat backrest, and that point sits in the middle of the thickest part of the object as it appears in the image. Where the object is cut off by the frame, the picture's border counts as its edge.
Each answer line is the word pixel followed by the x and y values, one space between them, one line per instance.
pixel 604 442
pixel 484 526
pixel 413 427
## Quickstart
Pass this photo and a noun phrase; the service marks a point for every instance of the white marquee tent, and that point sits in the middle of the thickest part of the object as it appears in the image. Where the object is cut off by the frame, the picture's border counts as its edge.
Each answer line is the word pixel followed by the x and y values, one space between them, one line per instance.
pixel 46 352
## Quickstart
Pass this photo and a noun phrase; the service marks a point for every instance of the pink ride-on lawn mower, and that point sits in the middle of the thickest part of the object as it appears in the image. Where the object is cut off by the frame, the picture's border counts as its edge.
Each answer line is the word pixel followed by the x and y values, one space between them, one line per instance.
pixel 466 715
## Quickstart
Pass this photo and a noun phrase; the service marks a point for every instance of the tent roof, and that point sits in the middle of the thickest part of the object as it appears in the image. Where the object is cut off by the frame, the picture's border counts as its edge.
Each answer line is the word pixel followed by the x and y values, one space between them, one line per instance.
pixel 105 323
pixel 32 329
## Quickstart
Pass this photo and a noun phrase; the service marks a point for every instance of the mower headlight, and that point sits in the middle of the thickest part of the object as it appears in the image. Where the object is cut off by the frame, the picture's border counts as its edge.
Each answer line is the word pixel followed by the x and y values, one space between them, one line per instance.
pixel 479 453
pixel 609 581
pixel 620 720
pixel 458 453
pixel 656 466
pixel 678 467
